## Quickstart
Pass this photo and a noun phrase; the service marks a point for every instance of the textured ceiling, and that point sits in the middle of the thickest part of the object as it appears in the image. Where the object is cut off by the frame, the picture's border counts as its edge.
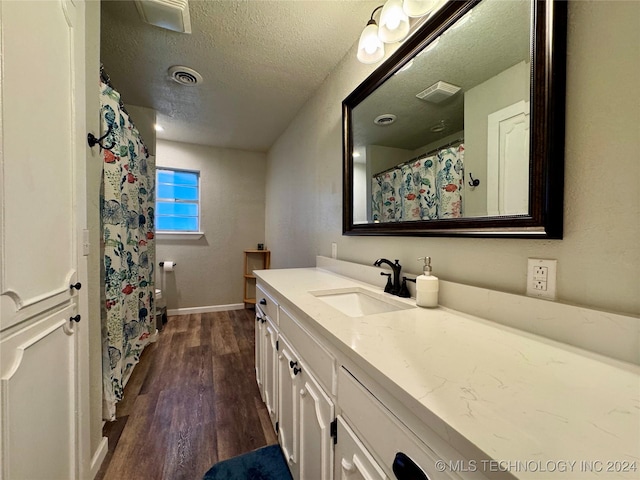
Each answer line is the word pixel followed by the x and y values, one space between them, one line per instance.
pixel 261 60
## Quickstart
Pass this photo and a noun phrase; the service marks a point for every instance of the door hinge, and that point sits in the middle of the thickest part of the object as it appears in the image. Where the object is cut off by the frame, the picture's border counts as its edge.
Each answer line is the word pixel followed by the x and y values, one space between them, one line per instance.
pixel 277 427
pixel 333 430
pixel 277 345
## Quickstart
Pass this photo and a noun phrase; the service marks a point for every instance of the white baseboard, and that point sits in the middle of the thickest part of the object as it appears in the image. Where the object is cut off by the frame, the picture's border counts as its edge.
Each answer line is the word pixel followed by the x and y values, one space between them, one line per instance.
pixel 205 309
pixel 98 457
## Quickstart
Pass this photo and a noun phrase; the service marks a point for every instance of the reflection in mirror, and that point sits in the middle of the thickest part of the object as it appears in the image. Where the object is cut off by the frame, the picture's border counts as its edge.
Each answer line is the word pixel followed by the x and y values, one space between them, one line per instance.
pixel 457 110
pixel 439 138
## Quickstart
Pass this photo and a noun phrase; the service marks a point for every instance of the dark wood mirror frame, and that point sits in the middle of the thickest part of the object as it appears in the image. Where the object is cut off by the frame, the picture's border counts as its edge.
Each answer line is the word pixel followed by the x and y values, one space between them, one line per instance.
pixel 546 166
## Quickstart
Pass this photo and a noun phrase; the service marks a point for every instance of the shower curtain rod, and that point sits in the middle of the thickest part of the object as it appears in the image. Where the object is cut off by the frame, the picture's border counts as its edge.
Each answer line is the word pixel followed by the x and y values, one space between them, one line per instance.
pixel 457 141
pixel 107 81
pixel 104 77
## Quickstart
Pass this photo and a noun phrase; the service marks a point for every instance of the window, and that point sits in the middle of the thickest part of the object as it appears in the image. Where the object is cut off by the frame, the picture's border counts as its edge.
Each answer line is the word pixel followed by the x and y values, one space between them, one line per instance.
pixel 177 200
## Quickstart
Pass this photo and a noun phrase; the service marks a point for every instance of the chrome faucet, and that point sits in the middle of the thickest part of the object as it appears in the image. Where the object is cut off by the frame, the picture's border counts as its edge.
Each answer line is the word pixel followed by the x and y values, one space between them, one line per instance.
pixel 396 274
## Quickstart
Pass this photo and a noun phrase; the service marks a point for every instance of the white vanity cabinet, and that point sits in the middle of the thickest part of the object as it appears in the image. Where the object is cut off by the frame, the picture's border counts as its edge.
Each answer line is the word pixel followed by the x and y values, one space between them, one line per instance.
pixel 317 413
pixel 386 436
pixel 353 461
pixel 287 405
pixel 266 348
pixel 296 375
pixel 270 369
pixel 306 411
pixel 318 400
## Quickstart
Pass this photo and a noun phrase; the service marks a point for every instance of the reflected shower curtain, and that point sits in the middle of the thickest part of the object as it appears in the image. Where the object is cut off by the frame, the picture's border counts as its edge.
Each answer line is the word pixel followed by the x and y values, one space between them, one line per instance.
pixel 128 204
pixel 424 189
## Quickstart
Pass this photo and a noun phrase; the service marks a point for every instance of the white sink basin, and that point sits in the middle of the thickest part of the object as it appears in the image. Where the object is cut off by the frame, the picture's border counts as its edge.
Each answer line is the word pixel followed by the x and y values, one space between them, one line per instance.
pixel 358 302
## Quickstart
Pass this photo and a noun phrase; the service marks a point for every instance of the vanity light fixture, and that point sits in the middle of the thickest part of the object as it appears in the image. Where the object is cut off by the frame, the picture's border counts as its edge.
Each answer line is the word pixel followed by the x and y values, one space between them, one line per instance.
pixel 419 8
pixel 394 23
pixel 370 47
pixel 394 26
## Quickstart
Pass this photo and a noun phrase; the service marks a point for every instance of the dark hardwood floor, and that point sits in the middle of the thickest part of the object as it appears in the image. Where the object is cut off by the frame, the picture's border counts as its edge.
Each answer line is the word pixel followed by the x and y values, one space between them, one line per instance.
pixel 190 402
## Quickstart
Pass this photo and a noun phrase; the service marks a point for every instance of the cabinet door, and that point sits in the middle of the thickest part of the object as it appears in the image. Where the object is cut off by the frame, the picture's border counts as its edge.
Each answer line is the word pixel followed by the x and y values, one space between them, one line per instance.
pixel 288 406
pixel 269 378
pixel 316 442
pixel 43 356
pixel 259 348
pixel 353 462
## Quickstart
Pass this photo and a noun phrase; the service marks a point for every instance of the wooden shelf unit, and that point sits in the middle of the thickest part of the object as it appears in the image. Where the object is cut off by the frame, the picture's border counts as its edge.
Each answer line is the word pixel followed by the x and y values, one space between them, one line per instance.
pixel 254 260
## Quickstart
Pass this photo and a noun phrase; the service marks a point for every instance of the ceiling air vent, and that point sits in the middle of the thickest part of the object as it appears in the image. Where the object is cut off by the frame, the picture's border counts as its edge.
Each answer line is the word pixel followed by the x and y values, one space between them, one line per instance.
pixel 438 92
pixel 385 119
pixel 185 75
pixel 169 14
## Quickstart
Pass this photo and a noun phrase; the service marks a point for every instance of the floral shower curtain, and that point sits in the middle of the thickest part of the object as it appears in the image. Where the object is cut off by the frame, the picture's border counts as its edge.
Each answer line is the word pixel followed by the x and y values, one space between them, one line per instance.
pixel 424 189
pixel 127 200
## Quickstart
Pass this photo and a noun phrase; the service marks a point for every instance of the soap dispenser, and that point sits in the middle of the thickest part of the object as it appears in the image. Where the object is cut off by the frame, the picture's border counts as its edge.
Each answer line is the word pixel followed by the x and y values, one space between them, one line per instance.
pixel 427 286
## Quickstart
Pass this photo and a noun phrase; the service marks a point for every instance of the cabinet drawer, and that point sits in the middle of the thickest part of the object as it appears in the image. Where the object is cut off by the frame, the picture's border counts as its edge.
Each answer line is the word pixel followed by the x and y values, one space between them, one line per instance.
pixel 314 355
pixel 352 459
pixel 267 304
pixel 381 431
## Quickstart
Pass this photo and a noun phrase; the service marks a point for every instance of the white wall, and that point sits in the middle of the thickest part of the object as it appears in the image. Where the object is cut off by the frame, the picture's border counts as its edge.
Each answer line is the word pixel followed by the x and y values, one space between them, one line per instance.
pixel 361 193
pixel 144 119
pixel 599 257
pixel 94 176
pixel 503 90
pixel 209 270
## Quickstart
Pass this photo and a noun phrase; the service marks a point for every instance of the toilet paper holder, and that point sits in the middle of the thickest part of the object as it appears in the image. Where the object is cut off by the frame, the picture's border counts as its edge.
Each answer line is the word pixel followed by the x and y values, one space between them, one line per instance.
pixel 162 264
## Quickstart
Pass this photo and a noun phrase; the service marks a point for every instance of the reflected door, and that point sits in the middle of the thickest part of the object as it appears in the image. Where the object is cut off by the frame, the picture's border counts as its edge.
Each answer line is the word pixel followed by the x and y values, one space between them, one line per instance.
pixel 508 161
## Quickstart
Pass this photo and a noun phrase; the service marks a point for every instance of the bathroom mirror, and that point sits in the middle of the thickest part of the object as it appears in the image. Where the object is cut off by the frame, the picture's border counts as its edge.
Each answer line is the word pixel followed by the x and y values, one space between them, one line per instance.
pixel 461 131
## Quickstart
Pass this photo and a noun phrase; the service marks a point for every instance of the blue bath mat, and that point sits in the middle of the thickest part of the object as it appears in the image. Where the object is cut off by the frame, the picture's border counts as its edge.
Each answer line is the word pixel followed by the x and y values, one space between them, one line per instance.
pixel 266 463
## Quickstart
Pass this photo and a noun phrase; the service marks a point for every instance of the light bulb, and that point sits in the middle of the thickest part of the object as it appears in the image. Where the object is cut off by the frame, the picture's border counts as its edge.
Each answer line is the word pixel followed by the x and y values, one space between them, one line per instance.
pixel 370 47
pixel 394 23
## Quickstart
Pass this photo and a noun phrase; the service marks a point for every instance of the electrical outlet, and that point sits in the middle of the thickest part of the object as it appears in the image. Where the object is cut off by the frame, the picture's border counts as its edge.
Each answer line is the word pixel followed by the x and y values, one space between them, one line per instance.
pixel 541 278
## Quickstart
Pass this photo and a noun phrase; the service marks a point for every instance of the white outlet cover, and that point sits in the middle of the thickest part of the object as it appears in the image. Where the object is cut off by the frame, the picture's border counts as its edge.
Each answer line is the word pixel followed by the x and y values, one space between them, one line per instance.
pixel 532 280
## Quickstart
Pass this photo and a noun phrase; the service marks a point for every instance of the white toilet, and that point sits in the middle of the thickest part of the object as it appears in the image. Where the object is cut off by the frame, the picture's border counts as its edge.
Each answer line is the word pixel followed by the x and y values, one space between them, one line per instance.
pixel 161 310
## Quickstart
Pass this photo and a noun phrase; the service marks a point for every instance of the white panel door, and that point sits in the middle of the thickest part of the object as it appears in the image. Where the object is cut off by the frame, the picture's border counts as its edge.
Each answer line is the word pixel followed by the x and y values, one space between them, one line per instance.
pixel 288 405
pixel 508 160
pixel 269 379
pixel 316 442
pixel 259 347
pixel 38 388
pixel 42 205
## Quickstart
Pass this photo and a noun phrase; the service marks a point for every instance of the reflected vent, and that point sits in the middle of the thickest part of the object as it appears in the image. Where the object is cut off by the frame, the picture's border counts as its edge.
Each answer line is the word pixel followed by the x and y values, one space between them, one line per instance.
pixel 438 92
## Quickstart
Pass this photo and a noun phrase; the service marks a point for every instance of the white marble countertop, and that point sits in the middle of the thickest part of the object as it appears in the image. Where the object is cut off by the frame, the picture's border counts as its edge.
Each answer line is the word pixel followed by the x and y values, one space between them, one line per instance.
pixel 544 409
